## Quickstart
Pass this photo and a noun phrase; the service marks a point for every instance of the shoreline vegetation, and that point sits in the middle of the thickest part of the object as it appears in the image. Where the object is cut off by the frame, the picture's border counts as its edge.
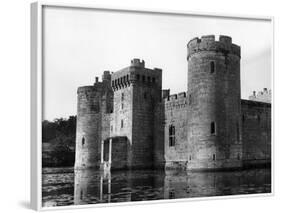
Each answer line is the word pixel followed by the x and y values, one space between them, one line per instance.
pixel 58 142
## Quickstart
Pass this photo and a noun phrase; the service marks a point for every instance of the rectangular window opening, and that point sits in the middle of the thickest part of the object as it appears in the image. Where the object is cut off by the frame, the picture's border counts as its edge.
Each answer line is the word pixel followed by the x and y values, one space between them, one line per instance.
pixel 172 140
pixel 213 128
pixel 212 67
pixel 238 132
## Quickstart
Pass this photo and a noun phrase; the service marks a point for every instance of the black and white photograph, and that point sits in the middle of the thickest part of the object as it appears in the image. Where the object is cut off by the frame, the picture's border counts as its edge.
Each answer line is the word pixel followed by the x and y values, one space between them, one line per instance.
pixel 151 106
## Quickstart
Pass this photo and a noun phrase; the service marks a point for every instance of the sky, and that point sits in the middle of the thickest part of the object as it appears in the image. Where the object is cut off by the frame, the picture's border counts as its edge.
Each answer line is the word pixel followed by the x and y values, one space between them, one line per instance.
pixel 79 44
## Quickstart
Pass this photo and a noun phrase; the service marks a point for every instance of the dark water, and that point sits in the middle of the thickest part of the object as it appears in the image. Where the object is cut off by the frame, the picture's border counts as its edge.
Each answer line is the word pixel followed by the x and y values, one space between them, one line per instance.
pixel 63 186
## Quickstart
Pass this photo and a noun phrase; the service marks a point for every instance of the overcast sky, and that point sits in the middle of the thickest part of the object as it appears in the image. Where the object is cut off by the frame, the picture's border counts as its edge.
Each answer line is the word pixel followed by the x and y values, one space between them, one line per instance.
pixel 80 44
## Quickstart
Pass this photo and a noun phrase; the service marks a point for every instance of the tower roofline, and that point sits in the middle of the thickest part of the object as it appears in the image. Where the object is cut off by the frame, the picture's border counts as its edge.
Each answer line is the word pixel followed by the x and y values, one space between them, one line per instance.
pixel 209 43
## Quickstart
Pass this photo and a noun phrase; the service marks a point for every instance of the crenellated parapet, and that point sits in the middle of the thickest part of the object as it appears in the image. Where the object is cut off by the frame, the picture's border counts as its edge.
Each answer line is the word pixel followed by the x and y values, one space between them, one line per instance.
pixel 121 79
pixel 208 43
pixel 137 63
pixel 176 101
pixel 84 89
pixel 106 76
pixel 261 96
pixel 87 96
pixel 98 87
pixel 136 73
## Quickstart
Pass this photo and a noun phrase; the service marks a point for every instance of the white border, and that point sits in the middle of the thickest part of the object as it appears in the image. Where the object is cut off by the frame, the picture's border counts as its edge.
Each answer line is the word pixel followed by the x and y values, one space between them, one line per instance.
pixel 36 105
pixel 36 101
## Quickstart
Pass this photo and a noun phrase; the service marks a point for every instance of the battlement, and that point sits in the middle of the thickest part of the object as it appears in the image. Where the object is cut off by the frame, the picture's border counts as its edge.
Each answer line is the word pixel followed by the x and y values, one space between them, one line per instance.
pixel 130 75
pixel 261 96
pixel 98 85
pixel 121 79
pixel 176 101
pixel 106 76
pixel 165 93
pixel 89 92
pixel 174 97
pixel 208 43
pixel 85 89
pixel 136 62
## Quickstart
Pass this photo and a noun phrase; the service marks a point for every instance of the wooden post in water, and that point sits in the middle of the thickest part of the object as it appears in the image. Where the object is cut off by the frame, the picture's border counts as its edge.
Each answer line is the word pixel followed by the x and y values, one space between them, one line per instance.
pixel 101 152
pixel 109 188
pixel 110 151
pixel 101 187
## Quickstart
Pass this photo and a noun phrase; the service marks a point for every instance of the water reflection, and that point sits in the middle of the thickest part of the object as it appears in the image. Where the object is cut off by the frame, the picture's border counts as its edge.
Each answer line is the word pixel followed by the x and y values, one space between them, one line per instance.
pixel 96 187
pixel 195 184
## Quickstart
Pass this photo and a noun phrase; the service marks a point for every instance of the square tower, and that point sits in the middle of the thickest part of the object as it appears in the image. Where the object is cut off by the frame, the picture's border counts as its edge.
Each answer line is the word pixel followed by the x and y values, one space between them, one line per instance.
pixel 137 91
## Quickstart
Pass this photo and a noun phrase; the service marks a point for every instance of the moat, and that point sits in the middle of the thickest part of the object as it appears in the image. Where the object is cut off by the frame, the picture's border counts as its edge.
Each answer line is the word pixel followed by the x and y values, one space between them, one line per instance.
pixel 63 186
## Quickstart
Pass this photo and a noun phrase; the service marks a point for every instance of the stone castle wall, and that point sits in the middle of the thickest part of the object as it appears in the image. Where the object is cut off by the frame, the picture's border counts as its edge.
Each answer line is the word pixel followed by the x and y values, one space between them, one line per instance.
pixel 176 107
pixel 122 110
pixel 147 94
pixel 256 132
pixel 159 136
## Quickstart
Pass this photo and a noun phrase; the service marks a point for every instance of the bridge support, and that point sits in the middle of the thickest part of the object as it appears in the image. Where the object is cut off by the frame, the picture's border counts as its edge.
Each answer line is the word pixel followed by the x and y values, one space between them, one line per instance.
pixel 106 165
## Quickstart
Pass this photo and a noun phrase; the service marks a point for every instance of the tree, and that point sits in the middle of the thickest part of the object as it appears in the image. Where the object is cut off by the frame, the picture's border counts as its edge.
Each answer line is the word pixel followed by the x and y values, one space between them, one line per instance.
pixel 60 134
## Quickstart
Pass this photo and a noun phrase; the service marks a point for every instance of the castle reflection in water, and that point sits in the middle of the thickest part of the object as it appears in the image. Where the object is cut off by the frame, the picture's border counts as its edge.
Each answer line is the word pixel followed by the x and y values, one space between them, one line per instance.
pixel 96 187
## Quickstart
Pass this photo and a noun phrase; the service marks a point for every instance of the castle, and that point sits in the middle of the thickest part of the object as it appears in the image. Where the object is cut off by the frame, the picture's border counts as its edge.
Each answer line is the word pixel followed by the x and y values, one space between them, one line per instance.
pixel 127 121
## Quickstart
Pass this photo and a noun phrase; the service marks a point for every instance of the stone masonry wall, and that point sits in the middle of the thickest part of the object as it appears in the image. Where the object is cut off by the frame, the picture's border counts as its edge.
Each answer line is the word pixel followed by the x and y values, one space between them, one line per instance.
pixel 159 136
pixel 143 119
pixel 176 115
pixel 122 109
pixel 137 91
pixel 256 132
pixel 88 131
pixel 146 95
pixel 119 153
pixel 93 121
pixel 214 126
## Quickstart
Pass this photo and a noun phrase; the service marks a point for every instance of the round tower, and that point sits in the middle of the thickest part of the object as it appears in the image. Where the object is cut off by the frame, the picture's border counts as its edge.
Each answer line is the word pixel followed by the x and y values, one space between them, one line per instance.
pixel 214 126
pixel 88 132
